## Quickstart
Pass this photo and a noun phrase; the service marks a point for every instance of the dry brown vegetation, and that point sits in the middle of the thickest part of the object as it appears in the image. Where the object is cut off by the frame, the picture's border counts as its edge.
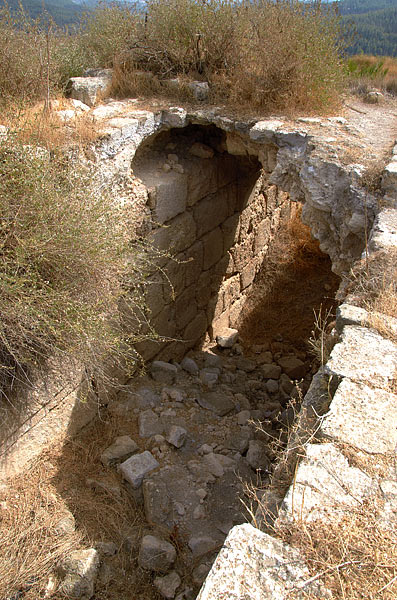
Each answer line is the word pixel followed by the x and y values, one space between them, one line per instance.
pixel 368 72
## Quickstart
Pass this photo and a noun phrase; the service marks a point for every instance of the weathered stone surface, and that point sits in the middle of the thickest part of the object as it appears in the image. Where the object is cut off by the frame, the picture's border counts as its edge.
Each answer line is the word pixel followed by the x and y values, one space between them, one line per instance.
pixel 217 402
pixel 176 436
pixel 384 231
pixel 149 424
pixel 209 376
pixel 200 90
pixel 364 356
pixel 201 150
pixel 135 468
pixel 170 196
pixel 324 484
pixel 168 585
pixel 347 314
pixel 80 570
pixel 263 131
pixel 87 89
pixel 213 247
pixel 156 555
pixel 254 566
pixel 66 523
pixel 121 448
pixel 363 417
pixel 163 372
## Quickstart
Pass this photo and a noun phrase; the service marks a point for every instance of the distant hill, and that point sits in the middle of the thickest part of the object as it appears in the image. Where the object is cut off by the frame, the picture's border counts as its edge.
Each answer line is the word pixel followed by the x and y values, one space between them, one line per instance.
pixel 376 25
pixel 64 12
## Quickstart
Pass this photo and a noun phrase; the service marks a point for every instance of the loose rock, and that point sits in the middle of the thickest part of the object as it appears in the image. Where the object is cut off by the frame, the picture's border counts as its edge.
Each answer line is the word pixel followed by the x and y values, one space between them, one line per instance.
pixel 121 449
pixel 135 468
pixel 156 554
pixel 168 584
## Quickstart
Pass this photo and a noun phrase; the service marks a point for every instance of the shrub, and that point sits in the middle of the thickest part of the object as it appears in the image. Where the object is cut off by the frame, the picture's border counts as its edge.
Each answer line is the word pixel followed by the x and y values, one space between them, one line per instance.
pixel 63 252
pixel 254 54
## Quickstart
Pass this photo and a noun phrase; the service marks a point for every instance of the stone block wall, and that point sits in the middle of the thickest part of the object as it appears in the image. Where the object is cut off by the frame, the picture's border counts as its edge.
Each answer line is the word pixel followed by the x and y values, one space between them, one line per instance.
pixel 216 214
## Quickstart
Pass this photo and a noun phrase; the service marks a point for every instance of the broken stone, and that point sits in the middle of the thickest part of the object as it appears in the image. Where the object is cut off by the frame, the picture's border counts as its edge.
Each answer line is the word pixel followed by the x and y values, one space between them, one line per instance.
pixel 176 436
pixel 213 464
pixel 163 372
pixel 271 371
pixel 171 394
pixel 293 367
pixel 190 366
pixel 121 449
pixel 156 554
pixel 243 417
pixel 257 455
pixel 149 424
pixel 218 403
pixel 135 468
pixel 227 338
pixel 107 548
pixel 245 364
pixel 80 571
pixel 66 524
pixel 212 360
pixel 200 545
pixel 200 573
pixel 209 376
pixel 168 585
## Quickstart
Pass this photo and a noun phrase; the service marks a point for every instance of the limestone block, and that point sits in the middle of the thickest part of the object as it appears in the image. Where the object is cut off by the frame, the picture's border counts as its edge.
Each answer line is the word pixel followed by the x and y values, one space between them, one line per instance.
pixel 248 275
pixel 200 90
pixel 174 117
pixel 87 89
pixel 192 263
pixel 363 417
pixel 384 231
pixel 211 212
pixel 364 356
pixel 202 179
pixel 346 314
pixel 231 291
pixel 185 307
pixel 263 131
pixel 213 248
pixel 242 252
pixel 230 229
pixel 170 196
pixel 196 329
pixel 204 289
pixel 227 338
pixel 156 554
pixel 324 484
pixel 176 436
pixel 135 468
pixel 262 235
pixel 236 309
pixel 256 566
pixel 176 237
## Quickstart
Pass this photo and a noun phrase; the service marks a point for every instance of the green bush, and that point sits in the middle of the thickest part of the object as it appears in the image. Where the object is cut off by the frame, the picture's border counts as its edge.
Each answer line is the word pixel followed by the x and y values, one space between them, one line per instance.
pixel 63 251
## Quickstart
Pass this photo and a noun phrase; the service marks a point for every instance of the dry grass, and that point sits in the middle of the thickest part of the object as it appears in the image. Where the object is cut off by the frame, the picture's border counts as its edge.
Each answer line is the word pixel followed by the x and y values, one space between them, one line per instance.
pixel 32 550
pixel 35 124
pixel 373 286
pixel 369 72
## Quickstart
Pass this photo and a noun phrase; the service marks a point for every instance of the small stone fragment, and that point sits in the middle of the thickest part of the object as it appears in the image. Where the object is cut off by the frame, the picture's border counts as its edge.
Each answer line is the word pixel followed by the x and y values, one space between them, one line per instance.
pixel 218 403
pixel 171 394
pixel 163 372
pixel 176 436
pixel 190 366
pixel 257 455
pixel 200 545
pixel 121 449
pixel 80 570
pixel 227 338
pixel 243 417
pixel 135 468
pixel 293 367
pixel 168 584
pixel 209 376
pixel 156 554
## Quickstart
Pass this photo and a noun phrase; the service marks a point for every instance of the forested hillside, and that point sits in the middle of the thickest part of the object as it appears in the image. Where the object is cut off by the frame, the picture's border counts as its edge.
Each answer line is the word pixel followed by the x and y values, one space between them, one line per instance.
pixel 376 25
pixel 64 12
